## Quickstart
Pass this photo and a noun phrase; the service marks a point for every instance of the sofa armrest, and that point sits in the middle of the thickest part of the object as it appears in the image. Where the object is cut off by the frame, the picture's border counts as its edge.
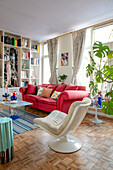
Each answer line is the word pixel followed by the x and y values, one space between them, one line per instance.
pixel 23 90
pixel 66 98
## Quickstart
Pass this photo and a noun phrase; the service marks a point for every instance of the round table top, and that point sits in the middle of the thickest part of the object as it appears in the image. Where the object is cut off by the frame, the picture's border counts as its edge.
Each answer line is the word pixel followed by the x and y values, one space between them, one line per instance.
pixel 96 107
pixel 5 120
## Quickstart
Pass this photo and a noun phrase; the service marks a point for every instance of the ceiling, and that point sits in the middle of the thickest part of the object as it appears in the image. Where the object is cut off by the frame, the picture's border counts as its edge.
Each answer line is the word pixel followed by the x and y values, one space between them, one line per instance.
pixel 45 19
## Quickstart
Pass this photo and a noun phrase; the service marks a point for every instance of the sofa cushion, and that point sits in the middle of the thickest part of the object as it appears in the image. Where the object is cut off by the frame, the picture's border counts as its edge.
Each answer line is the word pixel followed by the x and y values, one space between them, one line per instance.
pixel 46 92
pixel 55 95
pixel 52 86
pixel 81 88
pixel 31 89
pixel 30 97
pixel 40 89
pixel 48 101
pixel 60 87
pixel 44 85
pixel 71 87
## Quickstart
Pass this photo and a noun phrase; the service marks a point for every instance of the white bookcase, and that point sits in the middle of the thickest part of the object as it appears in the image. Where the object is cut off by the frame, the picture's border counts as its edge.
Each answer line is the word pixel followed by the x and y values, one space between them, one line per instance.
pixel 26 55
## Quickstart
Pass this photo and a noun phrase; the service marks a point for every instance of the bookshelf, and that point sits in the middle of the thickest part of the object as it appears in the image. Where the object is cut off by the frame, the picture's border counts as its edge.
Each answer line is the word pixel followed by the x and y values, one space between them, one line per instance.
pixel 35 62
pixel 23 54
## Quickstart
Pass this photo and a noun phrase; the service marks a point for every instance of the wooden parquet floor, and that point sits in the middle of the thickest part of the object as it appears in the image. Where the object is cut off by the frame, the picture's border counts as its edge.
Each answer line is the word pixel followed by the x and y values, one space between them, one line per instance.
pixel 32 151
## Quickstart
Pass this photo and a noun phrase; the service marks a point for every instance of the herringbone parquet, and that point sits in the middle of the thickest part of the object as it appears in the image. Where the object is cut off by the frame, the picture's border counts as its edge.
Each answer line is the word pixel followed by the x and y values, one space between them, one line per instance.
pixel 32 151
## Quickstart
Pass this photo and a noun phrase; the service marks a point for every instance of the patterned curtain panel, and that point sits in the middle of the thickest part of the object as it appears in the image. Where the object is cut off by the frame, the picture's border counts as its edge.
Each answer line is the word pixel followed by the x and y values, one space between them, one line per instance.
pixel 78 46
pixel 52 54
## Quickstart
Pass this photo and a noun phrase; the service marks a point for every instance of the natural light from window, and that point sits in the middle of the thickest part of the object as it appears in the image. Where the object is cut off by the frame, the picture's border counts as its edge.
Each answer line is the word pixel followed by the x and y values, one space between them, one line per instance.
pixel 46 66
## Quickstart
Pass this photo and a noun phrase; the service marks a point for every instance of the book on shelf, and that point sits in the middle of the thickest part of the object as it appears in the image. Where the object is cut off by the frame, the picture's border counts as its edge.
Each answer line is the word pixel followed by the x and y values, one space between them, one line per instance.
pixel 25 55
pixel 32 73
pixel 23 74
pixel 35 61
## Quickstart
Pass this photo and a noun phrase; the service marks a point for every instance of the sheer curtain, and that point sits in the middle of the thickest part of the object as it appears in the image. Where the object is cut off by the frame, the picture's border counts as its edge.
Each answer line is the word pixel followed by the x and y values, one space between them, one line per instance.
pixel 78 46
pixel 52 54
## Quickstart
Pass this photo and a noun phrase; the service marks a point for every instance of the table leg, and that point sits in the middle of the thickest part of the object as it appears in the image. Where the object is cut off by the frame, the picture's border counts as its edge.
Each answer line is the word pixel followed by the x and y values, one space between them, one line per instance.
pixel 9 111
pixel 24 111
pixel 96 120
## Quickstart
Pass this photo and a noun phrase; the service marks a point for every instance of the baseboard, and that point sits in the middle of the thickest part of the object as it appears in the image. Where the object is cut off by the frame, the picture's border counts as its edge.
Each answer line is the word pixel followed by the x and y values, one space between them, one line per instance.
pixel 100 114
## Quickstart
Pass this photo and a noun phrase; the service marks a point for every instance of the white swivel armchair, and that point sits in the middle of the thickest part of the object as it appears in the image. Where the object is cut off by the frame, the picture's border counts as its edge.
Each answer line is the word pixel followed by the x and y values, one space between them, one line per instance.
pixel 59 125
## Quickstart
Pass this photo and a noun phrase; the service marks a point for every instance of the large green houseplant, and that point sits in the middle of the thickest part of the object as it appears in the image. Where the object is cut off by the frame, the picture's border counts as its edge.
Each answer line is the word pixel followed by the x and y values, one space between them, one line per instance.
pixel 102 72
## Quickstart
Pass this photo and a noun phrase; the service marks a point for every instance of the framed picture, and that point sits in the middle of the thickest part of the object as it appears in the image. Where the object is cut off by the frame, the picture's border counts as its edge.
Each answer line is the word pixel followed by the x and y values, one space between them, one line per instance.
pixel 64 59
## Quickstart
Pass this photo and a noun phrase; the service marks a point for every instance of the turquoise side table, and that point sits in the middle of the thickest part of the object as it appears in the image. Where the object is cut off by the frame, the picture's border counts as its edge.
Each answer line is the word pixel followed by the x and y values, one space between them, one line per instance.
pixel 6 140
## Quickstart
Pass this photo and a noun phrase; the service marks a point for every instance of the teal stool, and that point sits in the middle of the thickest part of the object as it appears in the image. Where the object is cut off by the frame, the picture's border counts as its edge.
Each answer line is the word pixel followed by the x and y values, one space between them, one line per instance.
pixel 6 140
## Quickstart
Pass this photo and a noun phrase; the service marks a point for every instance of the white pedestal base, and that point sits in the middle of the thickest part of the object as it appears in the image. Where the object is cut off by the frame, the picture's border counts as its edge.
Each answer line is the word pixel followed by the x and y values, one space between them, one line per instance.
pixel 65 144
pixel 96 120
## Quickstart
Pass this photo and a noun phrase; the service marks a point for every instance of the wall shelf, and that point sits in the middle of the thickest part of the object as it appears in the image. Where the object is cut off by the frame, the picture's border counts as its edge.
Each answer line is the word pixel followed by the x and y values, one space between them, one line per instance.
pixel 22 45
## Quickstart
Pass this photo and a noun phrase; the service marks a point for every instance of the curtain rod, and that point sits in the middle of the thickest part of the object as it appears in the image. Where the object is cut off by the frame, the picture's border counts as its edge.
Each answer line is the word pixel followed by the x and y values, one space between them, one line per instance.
pixel 93 25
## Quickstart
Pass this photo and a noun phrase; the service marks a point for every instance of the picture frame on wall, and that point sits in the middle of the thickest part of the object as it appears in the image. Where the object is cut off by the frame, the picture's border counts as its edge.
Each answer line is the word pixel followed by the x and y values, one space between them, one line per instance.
pixel 64 59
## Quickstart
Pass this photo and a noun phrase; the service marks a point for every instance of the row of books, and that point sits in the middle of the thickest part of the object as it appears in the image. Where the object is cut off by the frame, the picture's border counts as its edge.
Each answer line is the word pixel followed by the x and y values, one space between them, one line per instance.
pixel 24 74
pixel 35 61
pixel 25 55
pixel 12 41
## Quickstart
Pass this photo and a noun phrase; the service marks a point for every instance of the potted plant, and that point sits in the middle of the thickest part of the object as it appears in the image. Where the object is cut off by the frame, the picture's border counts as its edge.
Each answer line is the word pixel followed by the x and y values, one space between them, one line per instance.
pixel 62 78
pixel 102 73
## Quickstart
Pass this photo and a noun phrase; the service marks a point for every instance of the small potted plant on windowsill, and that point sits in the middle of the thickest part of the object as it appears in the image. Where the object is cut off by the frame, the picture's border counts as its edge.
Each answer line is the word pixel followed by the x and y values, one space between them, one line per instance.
pixel 62 78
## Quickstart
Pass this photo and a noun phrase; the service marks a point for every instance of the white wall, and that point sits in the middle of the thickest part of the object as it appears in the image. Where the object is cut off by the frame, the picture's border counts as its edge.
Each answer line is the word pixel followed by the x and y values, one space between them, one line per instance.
pixel 65 46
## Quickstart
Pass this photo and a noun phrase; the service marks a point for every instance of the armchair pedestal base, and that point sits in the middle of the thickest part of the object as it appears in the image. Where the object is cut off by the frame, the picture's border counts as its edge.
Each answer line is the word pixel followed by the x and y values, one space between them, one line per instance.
pixel 66 144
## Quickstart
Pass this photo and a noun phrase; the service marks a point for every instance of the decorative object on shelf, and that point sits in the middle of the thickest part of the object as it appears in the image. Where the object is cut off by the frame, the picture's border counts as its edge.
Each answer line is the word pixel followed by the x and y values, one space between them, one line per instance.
pixel 23 66
pixel 103 73
pixel 24 42
pixel 64 59
pixel 13 97
pixel 6 95
pixel 35 48
pixel 11 66
pixel 62 78
pixel 8 69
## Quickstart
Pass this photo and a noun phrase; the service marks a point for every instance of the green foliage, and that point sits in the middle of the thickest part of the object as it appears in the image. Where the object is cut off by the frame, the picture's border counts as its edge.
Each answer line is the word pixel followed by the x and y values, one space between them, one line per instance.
pixel 100 50
pixel 110 55
pixel 107 107
pixel 62 77
pixel 102 73
pixel 91 67
pixel 93 87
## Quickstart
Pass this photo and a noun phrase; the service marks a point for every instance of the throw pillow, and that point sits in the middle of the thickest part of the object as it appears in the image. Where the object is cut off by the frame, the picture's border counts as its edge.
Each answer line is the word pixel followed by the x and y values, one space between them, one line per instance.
pixel 55 95
pixel 31 89
pixel 46 92
pixel 39 91
pixel 60 87
pixel 71 87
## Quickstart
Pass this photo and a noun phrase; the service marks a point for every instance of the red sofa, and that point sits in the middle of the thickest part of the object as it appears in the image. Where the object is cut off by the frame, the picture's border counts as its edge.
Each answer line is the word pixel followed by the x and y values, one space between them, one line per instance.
pixel 69 94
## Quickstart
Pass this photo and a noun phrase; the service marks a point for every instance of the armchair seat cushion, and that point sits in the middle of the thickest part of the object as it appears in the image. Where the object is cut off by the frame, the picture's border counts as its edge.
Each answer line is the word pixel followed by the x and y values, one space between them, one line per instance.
pixel 52 122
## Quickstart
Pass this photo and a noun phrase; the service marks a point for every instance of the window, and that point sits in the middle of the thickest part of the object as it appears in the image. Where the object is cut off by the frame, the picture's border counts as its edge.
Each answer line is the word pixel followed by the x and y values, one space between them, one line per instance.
pixel 46 66
pixel 105 35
